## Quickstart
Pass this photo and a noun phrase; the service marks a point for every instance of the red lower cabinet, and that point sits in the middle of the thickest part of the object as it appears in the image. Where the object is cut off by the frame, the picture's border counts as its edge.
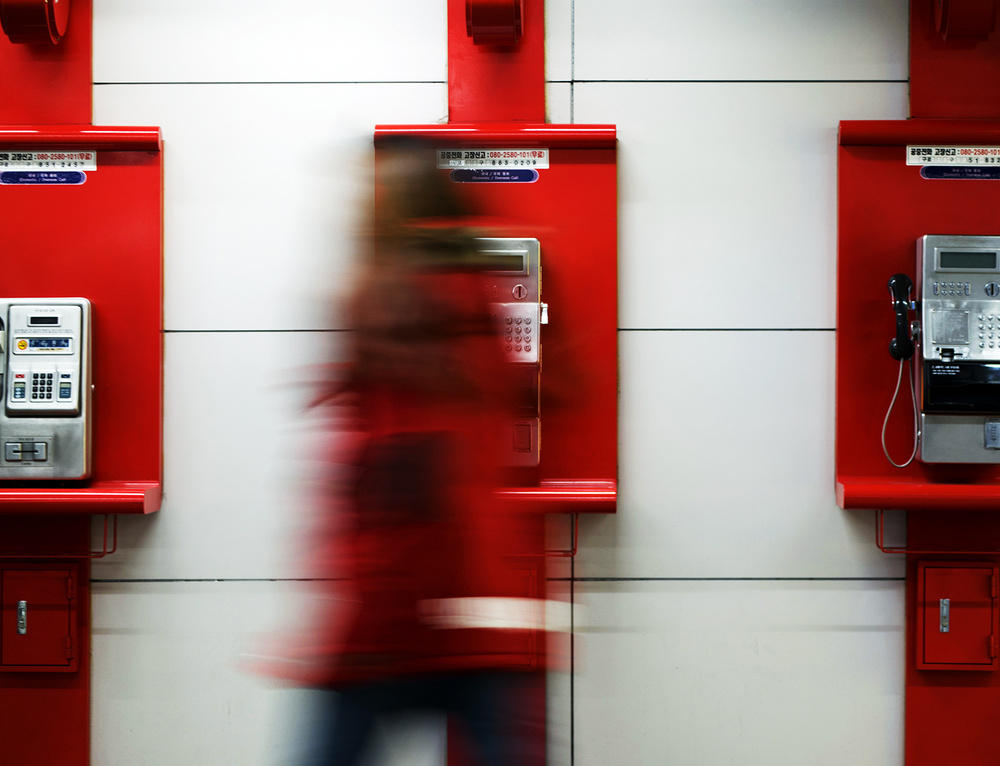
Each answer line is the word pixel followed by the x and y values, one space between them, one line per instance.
pixel 38 619
pixel 956 616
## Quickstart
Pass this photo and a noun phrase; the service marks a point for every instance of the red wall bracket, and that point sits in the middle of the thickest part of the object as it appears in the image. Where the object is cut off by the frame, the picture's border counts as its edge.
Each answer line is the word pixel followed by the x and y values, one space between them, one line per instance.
pixel 46 84
pixel 972 19
pixel 34 21
pixel 954 57
pixel 494 22
pixel 490 80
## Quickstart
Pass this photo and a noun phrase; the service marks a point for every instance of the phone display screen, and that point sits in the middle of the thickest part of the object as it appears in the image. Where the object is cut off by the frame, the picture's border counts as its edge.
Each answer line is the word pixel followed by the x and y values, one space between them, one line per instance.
pixel 966 259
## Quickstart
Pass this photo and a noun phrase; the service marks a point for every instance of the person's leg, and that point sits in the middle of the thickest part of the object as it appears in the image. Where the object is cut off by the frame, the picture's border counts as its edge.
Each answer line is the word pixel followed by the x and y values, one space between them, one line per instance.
pixel 499 724
pixel 342 730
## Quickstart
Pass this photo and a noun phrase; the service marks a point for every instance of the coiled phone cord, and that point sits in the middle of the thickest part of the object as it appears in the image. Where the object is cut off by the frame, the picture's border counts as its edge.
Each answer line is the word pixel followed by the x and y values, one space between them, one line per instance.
pixel 916 418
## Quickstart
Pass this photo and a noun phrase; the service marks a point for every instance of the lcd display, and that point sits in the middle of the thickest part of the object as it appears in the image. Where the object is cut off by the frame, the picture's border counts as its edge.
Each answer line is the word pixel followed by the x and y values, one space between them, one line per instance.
pixel 975 259
pixel 48 342
pixel 513 263
pixel 43 320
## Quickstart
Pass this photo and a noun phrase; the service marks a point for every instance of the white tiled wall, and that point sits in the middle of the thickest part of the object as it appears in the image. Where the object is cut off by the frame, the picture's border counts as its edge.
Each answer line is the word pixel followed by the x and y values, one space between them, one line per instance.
pixel 730 613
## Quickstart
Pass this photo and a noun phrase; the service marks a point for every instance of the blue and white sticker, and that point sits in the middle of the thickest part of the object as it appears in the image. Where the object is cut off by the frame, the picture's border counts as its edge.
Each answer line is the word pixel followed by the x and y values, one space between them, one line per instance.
pixel 494 176
pixel 961 173
pixel 43 178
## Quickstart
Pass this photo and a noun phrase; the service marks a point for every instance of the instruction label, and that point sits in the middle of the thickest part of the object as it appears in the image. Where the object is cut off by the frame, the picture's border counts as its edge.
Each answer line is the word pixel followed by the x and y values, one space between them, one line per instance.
pixel 482 159
pixel 50 159
pixel 953 155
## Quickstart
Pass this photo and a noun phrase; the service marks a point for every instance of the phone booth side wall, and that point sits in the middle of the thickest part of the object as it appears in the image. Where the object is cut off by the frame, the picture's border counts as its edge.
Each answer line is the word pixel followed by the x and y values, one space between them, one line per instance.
pixel 546 199
pixel 81 323
pixel 910 237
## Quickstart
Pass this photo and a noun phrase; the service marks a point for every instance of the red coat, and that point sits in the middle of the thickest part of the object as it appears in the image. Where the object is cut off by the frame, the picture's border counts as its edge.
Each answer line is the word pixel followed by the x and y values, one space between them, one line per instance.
pixel 437 573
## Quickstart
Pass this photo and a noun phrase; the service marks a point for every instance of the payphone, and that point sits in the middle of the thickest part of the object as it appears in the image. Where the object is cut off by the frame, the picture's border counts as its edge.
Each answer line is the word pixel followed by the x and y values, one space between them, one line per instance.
pixel 45 373
pixel 514 285
pixel 956 375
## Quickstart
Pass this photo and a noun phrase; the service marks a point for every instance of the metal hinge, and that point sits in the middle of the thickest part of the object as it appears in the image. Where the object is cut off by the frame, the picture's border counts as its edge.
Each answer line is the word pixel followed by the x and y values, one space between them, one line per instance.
pixel 70 590
pixel 993 647
pixel 993 585
pixel 69 647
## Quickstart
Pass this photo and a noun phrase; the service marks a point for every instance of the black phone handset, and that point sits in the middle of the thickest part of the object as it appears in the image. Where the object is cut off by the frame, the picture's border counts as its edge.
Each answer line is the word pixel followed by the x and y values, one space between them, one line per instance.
pixel 902 349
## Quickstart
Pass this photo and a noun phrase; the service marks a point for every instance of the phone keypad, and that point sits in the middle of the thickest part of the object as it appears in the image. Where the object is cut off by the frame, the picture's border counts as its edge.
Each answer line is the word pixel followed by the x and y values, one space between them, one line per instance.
pixel 518 333
pixel 989 331
pixel 41 386
pixel 517 324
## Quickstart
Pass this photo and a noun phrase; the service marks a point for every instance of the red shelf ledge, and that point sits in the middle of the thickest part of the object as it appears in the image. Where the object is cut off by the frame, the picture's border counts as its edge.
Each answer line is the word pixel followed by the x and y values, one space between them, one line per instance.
pixel 915 495
pixel 540 134
pixel 126 497
pixel 565 496
pixel 925 132
pixel 88 136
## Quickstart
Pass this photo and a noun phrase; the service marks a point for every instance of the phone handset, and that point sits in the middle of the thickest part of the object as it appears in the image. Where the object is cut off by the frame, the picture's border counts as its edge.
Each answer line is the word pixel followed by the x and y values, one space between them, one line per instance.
pixel 902 348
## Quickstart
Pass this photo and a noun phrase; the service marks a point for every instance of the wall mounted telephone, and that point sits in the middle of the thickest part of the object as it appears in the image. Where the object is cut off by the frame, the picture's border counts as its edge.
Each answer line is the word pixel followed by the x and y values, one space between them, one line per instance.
pixel 45 374
pixel 514 284
pixel 956 374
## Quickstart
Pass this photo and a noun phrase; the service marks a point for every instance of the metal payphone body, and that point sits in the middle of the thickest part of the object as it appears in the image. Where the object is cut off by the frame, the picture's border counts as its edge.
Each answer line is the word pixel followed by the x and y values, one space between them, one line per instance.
pixel 45 376
pixel 958 372
pixel 515 293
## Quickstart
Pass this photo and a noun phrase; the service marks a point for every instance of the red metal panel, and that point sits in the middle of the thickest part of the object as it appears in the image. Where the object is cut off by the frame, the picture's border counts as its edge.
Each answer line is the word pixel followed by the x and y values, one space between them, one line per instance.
pixel 884 205
pixel 49 84
pixel 101 240
pixel 572 210
pixel 956 616
pixel 47 637
pixel 958 76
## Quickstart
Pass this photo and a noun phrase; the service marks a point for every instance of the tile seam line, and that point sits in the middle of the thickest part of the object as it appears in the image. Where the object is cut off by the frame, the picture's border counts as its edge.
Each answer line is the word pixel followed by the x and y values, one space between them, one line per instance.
pixel 551 579
pixel 736 82
pixel 253 330
pixel 727 329
pixel 733 579
pixel 571 81
pixel 618 329
pixel 271 82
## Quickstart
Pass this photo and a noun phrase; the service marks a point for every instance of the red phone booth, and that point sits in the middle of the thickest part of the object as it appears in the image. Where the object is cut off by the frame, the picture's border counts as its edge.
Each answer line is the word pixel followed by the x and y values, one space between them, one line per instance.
pixel 918 271
pixel 81 318
pixel 546 198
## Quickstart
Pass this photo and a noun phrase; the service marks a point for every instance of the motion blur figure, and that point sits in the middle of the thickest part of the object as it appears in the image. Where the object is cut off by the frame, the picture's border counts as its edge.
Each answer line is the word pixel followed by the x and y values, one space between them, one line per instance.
pixel 433 568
